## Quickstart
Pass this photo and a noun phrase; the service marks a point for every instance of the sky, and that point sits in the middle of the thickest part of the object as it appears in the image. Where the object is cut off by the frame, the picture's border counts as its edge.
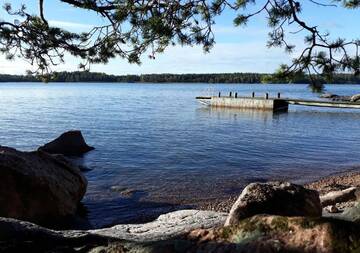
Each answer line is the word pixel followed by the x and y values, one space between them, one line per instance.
pixel 237 49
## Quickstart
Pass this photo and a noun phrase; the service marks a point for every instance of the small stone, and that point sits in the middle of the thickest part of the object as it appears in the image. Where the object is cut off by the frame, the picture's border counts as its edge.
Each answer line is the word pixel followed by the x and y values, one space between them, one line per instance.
pixel 332 209
pixel 125 192
pixel 328 95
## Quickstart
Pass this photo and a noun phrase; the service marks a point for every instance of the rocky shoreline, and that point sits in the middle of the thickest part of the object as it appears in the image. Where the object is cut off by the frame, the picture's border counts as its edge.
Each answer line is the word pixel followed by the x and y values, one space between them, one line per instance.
pixel 334 182
pixel 43 187
pixel 266 217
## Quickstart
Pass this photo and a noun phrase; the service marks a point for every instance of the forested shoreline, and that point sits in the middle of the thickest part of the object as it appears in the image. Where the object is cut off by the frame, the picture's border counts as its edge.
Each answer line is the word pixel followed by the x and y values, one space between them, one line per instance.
pixel 85 76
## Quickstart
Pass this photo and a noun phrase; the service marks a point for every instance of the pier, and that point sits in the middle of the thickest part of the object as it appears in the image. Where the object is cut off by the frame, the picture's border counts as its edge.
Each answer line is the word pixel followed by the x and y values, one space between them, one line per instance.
pixel 269 103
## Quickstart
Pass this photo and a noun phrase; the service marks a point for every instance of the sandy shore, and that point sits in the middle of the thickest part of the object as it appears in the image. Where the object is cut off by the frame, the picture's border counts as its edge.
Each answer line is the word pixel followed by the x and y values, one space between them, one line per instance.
pixel 333 182
pixel 338 181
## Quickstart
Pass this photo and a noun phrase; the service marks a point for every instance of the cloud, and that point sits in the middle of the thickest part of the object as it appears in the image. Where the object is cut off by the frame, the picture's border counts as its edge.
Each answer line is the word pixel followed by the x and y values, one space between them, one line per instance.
pixel 74 25
pixel 224 57
pixel 13 67
pixel 231 30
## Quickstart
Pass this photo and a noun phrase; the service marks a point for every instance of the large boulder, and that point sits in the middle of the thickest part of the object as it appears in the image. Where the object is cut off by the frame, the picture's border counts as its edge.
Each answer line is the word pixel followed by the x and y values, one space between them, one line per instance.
pixel 70 143
pixel 269 233
pixel 15 234
pixel 38 187
pixel 260 233
pixel 166 226
pixel 276 198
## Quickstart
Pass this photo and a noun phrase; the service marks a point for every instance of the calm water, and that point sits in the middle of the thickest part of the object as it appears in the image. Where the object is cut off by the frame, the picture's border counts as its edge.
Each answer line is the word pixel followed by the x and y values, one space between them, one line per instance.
pixel 156 140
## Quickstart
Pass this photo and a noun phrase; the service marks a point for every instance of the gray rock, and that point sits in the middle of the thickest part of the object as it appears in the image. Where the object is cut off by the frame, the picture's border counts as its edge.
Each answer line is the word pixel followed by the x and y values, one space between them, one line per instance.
pixel 38 187
pixel 355 98
pixel 332 209
pixel 334 197
pixel 260 233
pixel 70 143
pixel 328 95
pixel 123 191
pixel 165 227
pixel 275 198
pixel 335 97
pixel 351 214
pixel 341 98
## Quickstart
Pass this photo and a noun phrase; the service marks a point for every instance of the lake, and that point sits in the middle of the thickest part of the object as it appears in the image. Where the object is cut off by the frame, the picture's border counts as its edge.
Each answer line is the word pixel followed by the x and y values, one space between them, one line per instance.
pixel 158 144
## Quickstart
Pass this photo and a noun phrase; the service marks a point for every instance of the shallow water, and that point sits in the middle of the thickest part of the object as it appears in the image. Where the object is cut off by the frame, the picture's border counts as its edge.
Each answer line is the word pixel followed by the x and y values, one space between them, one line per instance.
pixel 156 140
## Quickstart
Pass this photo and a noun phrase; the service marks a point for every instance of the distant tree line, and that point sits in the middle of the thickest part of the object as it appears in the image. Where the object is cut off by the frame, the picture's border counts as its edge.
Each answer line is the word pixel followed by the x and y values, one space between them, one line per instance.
pixel 85 76
pixel 17 78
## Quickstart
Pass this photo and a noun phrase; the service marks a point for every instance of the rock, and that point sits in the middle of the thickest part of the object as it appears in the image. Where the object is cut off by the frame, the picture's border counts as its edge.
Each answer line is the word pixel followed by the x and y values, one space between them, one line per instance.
pixel 123 191
pixel 345 205
pixel 190 231
pixel 341 98
pixel 355 98
pixel 70 143
pixel 328 95
pixel 335 97
pixel 351 214
pixel 38 187
pixel 334 197
pixel 277 198
pixel 164 228
pixel 267 233
pixel 332 209
pixel 336 182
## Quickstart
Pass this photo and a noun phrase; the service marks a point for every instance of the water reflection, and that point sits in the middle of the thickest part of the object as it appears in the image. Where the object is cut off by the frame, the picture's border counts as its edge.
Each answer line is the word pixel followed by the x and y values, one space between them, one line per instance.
pixel 239 113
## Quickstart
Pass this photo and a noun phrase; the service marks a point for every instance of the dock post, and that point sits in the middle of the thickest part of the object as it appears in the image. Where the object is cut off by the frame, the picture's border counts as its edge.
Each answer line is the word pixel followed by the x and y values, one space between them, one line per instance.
pixel 278 96
pixel 253 94
pixel 235 94
pixel 266 95
pixel 230 94
pixel 219 94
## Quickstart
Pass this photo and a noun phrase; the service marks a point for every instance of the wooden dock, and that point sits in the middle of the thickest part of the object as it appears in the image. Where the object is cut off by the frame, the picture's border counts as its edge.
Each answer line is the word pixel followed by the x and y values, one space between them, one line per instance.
pixel 268 103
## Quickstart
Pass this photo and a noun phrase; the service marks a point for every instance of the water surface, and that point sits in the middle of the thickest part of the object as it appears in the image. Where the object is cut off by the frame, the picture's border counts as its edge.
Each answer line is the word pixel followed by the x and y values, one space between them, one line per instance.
pixel 156 140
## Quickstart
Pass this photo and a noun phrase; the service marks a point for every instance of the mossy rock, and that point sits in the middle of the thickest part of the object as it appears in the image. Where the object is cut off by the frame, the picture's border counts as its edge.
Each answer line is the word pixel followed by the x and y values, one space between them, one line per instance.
pixel 352 214
pixel 266 233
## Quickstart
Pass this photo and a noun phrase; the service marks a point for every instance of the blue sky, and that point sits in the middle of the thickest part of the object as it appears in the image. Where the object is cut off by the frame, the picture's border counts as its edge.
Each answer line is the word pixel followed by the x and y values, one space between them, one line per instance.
pixel 237 49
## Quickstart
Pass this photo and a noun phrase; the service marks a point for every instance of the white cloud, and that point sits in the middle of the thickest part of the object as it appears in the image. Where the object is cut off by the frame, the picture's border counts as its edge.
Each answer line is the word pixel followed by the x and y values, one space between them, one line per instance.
pixel 74 25
pixel 13 67
pixel 224 57
pixel 239 31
